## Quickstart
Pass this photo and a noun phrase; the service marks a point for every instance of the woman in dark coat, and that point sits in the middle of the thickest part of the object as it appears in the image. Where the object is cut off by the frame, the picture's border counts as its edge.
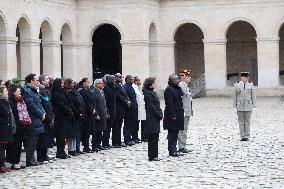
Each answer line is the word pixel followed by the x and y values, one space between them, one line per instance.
pixel 73 100
pixel 7 126
pixel 64 118
pixel 23 128
pixel 154 115
pixel 174 113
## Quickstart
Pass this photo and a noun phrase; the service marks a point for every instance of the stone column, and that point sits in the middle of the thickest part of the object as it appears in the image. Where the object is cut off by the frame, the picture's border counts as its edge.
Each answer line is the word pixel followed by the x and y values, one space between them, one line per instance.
pixel 8 57
pixel 52 58
pixel 30 56
pixel 166 50
pixel 83 66
pixel 215 63
pixel 268 62
pixel 68 60
pixel 135 58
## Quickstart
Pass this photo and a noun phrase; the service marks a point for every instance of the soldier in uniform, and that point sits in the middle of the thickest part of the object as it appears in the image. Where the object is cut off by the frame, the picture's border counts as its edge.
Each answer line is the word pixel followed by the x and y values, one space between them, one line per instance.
pixel 244 104
pixel 187 106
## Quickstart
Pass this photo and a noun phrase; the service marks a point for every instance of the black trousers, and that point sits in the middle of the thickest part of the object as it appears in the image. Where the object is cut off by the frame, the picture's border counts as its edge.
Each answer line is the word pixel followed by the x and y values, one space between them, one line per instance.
pixel 172 141
pixel 128 124
pixel 2 155
pixel 153 145
pixel 116 131
pixel 78 138
pixel 144 134
pixel 60 144
pixel 41 149
pixel 135 130
pixel 106 133
pixel 97 139
pixel 13 152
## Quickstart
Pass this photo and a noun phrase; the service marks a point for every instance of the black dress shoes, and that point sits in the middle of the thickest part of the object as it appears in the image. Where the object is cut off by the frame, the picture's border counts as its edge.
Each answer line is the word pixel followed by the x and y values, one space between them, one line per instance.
pixel 88 150
pixel 32 163
pixel 175 154
pixel 185 151
pixel 155 159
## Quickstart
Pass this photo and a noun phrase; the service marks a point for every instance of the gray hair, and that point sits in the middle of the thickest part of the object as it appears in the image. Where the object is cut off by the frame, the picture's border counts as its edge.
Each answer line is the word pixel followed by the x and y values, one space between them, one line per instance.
pixel 97 81
pixel 41 78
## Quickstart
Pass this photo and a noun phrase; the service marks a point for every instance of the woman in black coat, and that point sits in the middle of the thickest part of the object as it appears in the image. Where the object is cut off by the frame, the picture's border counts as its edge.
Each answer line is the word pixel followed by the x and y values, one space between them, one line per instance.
pixel 64 118
pixel 7 126
pixel 154 115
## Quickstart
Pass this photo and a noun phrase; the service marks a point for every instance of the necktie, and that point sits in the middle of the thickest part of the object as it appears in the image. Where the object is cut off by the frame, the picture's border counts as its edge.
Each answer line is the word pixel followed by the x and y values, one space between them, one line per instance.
pixel 244 86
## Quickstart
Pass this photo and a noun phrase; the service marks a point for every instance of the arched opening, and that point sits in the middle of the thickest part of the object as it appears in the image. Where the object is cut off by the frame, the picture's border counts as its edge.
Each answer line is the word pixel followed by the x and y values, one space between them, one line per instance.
pixel 23 49
pixel 45 52
pixel 189 50
pixel 281 55
pixel 66 52
pixel 107 51
pixel 3 60
pixel 153 51
pixel 241 52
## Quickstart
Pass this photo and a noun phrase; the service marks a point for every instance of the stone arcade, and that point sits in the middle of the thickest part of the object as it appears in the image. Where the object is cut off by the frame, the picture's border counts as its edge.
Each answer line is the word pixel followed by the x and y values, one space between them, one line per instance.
pixel 216 39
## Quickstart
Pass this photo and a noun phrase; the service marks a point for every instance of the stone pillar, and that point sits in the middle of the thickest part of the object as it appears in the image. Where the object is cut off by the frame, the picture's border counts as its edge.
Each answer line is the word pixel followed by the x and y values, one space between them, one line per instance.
pixel 52 58
pixel 135 58
pixel 68 60
pixel 8 57
pixel 30 56
pixel 166 58
pixel 84 66
pixel 268 62
pixel 215 63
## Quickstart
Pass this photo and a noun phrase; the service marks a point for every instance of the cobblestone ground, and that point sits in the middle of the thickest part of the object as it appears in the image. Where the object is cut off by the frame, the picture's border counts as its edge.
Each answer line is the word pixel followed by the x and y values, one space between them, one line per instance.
pixel 219 159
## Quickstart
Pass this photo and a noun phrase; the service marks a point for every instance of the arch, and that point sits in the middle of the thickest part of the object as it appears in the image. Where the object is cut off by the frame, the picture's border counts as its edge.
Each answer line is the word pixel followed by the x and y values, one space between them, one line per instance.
pixel 23 51
pixel 189 50
pixel 66 52
pixel 107 50
pixel 3 48
pixel 153 51
pixel 281 54
pixel 46 36
pixel 183 22
pixel 232 21
pixel 103 22
pixel 241 51
pixel 3 25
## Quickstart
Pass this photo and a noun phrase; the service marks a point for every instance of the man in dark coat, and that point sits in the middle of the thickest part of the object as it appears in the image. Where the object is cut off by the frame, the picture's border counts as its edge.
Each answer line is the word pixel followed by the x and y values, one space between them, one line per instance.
pixel 88 122
pixel 45 93
pixel 122 103
pixel 131 115
pixel 174 113
pixel 37 115
pixel 101 115
pixel 110 97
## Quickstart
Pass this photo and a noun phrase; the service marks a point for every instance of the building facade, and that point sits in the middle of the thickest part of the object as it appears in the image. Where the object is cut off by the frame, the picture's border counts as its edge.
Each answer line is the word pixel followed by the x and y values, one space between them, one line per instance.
pixel 216 39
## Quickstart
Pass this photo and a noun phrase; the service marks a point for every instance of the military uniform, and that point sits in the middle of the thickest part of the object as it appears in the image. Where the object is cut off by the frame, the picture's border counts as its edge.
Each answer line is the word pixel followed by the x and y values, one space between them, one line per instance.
pixel 244 103
pixel 187 106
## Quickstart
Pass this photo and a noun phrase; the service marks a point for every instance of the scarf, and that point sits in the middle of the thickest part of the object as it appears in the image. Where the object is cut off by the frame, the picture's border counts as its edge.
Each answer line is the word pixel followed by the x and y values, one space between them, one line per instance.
pixel 24 117
pixel 13 122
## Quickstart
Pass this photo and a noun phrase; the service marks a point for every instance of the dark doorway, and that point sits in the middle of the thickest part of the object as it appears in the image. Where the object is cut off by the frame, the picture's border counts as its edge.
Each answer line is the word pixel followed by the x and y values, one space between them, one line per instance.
pixel 41 53
pixel 241 51
pixel 107 53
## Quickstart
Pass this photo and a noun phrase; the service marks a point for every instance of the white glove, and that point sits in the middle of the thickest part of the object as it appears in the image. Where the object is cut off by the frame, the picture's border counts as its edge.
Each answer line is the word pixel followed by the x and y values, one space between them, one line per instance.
pixel 235 110
pixel 253 109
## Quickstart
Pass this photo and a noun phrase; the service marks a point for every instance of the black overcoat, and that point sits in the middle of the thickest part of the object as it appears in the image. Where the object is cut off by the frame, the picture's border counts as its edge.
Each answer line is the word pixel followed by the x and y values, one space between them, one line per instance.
pixel 6 134
pixel 101 110
pixel 174 113
pixel 154 113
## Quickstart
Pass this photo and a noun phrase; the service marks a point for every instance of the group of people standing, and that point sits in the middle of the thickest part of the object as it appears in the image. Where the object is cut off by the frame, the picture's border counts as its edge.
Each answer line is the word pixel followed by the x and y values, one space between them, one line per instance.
pixel 43 109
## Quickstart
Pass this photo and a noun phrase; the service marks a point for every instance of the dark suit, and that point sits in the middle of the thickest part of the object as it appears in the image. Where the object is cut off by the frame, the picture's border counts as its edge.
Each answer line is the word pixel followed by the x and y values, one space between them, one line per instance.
pixel 131 115
pixel 110 97
pixel 121 106
pixel 101 124
pixel 173 115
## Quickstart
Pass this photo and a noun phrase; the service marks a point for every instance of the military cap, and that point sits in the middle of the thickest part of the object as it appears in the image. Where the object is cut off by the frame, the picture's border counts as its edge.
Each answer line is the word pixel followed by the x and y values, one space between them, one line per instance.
pixel 245 74
pixel 184 73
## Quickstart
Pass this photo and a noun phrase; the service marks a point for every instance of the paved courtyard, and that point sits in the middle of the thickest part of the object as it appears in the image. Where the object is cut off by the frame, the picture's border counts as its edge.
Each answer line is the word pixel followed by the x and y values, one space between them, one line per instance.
pixel 219 159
